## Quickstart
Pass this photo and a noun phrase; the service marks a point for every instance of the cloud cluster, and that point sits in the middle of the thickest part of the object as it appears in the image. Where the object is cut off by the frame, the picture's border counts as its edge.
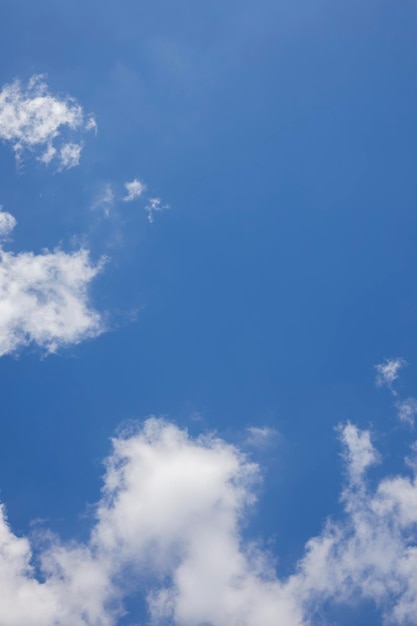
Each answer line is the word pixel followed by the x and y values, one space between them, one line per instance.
pixel 169 524
pixel 44 297
pixel 34 120
pixel 106 199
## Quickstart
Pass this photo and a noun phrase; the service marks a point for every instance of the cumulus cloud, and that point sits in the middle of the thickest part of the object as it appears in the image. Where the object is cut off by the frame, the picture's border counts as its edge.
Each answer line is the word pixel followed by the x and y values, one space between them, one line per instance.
pixel 44 297
pixel 34 120
pixel 371 554
pixel 168 521
pixel 169 524
pixel 387 372
pixel 154 206
pixel 134 190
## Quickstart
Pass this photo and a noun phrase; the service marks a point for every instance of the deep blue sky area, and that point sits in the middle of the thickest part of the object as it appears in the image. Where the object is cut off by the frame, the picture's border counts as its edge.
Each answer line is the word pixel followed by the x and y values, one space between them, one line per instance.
pixel 283 135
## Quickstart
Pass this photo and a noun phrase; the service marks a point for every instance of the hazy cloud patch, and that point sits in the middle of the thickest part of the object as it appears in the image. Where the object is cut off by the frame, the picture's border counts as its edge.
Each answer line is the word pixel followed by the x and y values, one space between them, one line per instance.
pixel 104 200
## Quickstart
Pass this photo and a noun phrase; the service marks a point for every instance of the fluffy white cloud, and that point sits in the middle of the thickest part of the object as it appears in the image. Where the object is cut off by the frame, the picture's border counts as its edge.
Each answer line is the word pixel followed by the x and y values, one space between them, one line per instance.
pixel 32 119
pixel 387 372
pixel 169 518
pixel 134 190
pixel 169 522
pixel 44 297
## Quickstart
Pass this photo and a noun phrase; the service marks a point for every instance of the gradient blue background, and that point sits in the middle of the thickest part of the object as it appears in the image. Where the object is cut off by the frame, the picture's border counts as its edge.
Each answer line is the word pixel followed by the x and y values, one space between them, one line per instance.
pixel 283 135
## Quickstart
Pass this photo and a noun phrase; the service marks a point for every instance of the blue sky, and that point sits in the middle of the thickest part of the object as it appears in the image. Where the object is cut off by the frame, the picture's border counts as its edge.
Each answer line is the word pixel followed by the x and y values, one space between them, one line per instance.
pixel 228 343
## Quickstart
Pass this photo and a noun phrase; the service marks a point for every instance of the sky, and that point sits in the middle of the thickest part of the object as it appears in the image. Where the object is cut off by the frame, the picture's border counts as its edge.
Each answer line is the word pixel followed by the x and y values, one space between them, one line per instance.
pixel 208 346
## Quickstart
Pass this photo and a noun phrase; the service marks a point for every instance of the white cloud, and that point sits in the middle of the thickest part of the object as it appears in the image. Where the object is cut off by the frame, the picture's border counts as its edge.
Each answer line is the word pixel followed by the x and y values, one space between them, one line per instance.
pixel 387 372
pixel 134 190
pixel 7 223
pixel 371 554
pixel 407 410
pixel 32 119
pixel 44 297
pixel 169 522
pixel 70 155
pixel 154 206
pixel 169 518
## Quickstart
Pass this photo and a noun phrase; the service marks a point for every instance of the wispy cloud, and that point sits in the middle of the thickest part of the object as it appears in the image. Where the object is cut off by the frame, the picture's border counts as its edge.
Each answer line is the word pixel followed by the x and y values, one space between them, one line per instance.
pixel 34 120
pixel 104 200
pixel 70 155
pixel 261 437
pixel 44 297
pixel 108 199
pixel 154 206
pixel 134 189
pixel 407 410
pixel 387 372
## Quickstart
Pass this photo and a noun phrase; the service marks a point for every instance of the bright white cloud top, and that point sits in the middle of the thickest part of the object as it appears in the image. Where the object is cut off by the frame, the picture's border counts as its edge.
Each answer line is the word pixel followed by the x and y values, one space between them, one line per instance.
pixel 34 120
pixel 44 297
pixel 171 515
pixel 134 189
